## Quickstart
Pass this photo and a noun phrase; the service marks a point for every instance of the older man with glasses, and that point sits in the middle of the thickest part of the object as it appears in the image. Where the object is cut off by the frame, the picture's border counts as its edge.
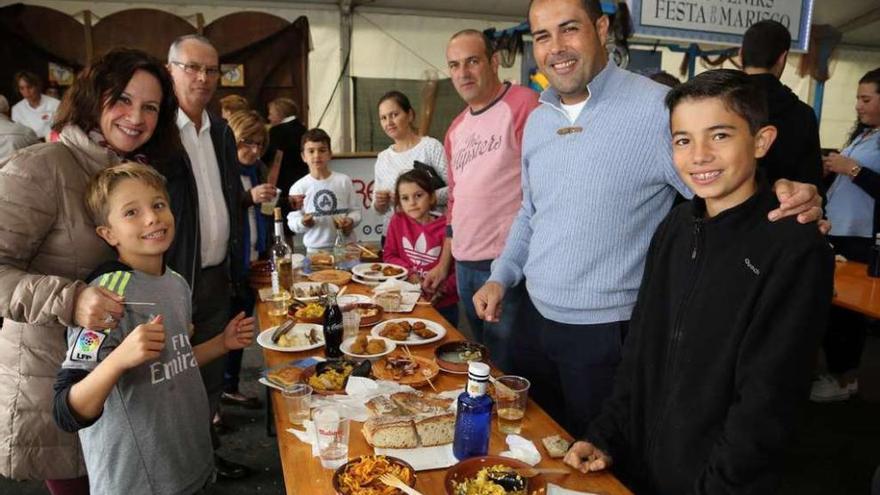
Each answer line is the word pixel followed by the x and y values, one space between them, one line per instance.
pixel 210 146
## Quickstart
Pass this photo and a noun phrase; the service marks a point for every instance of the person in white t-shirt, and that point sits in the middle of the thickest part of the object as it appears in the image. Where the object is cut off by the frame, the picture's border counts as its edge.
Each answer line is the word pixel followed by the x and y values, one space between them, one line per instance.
pixel 35 110
pixel 324 201
pixel 397 118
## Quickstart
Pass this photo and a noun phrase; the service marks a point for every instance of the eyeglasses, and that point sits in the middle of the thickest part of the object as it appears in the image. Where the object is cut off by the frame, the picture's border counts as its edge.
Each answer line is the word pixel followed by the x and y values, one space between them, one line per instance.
pixel 251 144
pixel 195 69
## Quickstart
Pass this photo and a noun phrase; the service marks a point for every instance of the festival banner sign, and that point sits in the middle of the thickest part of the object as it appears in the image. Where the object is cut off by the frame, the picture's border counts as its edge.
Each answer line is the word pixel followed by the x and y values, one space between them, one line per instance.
pixel 721 22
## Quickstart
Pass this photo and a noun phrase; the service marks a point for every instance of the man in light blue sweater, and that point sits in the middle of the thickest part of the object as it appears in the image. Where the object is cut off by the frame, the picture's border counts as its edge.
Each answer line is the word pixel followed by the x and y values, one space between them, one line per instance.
pixel 597 179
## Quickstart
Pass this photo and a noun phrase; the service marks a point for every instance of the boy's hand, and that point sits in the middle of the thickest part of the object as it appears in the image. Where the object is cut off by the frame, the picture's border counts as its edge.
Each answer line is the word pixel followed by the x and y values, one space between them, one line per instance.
pixel 97 308
pixel 143 344
pixel 296 201
pixel 383 200
pixel 585 457
pixel 796 198
pixel 239 332
pixel 346 225
pixel 308 220
pixel 487 301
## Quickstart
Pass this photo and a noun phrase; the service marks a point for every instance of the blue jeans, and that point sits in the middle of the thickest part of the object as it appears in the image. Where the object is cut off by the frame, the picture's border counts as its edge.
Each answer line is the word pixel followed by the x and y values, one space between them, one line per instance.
pixel 496 335
pixel 450 313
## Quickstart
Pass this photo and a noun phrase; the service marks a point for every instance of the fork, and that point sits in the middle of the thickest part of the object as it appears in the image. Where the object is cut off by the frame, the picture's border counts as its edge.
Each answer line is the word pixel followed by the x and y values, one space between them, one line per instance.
pixel 394 482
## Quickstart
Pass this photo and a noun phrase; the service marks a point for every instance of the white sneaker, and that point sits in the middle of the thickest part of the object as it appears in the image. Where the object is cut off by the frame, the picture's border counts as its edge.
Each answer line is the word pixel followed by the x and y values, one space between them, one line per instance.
pixel 826 388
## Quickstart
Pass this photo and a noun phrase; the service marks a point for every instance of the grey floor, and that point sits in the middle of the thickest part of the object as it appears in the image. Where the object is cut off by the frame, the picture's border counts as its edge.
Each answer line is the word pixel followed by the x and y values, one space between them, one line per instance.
pixel 836 452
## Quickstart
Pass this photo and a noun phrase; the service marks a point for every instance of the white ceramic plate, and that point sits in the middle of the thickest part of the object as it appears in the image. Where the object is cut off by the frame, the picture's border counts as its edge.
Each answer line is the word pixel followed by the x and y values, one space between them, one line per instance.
pixel 306 285
pixel 363 281
pixel 364 271
pixel 265 338
pixel 346 299
pixel 346 349
pixel 413 338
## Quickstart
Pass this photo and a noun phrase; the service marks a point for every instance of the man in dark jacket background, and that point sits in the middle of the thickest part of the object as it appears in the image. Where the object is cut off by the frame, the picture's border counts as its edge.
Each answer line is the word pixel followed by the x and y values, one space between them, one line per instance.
pixel 796 154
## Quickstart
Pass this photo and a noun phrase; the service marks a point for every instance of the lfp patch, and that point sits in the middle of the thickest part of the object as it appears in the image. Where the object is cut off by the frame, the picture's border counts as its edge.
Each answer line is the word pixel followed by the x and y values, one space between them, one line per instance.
pixel 87 345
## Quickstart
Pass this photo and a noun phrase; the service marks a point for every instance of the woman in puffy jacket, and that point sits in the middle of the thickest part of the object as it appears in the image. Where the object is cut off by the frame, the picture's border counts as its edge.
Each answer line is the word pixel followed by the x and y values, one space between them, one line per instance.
pixel 121 107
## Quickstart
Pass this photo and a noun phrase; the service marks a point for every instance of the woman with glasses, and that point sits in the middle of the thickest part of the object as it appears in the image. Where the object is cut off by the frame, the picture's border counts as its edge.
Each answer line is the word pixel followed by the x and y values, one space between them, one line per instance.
pixel 250 137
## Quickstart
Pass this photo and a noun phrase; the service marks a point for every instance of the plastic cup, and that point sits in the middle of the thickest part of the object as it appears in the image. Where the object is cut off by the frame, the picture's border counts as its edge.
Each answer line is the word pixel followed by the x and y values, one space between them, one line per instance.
pixel 298 398
pixel 268 207
pixel 331 436
pixel 351 321
pixel 511 407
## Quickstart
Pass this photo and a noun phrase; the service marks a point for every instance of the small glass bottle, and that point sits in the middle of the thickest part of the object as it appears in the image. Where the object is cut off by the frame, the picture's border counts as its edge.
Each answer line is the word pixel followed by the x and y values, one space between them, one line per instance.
pixel 874 260
pixel 473 419
pixel 339 250
pixel 333 328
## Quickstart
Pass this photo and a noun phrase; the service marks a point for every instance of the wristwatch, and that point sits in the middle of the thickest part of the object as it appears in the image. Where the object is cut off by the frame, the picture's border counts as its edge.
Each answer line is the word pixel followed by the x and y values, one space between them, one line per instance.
pixel 853 172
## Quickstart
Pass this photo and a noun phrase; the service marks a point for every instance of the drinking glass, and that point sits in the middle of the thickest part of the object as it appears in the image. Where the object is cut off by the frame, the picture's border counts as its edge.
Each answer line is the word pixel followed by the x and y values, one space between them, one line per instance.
pixel 351 321
pixel 278 304
pixel 331 436
pixel 298 398
pixel 268 207
pixel 511 405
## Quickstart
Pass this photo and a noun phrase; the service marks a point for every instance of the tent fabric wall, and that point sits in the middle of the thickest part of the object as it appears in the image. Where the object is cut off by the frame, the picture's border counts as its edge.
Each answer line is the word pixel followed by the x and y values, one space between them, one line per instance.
pixel 374 53
pixel 273 52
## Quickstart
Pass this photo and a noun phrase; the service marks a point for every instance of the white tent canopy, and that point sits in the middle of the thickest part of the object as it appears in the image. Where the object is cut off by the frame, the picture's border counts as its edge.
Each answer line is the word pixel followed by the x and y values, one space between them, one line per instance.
pixel 405 39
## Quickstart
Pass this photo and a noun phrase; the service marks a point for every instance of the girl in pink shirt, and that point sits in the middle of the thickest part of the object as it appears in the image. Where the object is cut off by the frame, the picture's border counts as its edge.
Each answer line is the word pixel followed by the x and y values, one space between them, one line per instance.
pixel 416 239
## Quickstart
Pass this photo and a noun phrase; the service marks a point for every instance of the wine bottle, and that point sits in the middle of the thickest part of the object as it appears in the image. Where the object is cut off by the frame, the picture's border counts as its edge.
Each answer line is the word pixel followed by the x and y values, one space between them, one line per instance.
pixel 281 261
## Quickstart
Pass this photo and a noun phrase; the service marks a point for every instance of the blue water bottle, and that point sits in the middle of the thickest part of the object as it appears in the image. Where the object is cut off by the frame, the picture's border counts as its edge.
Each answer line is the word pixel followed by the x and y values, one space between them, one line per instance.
pixel 473 420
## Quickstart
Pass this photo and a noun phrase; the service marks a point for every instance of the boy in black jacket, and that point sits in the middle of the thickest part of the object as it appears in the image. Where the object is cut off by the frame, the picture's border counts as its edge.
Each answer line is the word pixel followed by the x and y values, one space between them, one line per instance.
pixel 729 316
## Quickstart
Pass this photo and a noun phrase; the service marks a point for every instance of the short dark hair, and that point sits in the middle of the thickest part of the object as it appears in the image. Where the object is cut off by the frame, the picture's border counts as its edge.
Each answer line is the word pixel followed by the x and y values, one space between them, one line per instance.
pixel 763 43
pixel 414 176
pixel 487 42
pixel 29 77
pixel 593 8
pixel 736 89
pixel 315 135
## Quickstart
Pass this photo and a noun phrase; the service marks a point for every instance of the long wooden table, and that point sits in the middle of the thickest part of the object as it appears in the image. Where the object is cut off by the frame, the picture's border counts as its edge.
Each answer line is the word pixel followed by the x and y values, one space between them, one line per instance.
pixel 303 473
pixel 855 290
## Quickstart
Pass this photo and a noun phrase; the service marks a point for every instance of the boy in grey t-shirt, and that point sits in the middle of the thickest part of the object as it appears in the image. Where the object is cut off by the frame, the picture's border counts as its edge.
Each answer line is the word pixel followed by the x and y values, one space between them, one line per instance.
pixel 134 393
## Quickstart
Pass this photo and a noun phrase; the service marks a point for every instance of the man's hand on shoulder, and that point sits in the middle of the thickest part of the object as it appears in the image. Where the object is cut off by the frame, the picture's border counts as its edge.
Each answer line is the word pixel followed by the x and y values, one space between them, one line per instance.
pixel 797 198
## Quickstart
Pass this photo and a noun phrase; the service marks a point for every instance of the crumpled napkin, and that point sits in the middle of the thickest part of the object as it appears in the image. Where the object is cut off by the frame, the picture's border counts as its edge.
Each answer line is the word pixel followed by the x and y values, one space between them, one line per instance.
pixel 394 284
pixel 522 449
pixel 307 435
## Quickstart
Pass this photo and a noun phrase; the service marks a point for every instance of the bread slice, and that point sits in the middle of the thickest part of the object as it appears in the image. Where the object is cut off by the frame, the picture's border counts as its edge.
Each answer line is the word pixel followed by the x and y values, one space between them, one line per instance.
pixel 383 406
pixel 556 446
pixel 391 433
pixel 421 404
pixel 285 377
pixel 436 430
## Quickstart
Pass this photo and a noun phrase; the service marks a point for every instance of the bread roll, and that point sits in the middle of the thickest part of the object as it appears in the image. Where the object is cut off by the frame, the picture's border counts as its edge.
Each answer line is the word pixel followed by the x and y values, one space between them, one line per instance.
pixel 391 433
pixel 436 430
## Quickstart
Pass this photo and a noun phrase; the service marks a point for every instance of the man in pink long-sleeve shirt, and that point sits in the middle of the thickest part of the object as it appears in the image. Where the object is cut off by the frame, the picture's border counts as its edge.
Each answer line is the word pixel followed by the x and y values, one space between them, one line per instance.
pixel 483 149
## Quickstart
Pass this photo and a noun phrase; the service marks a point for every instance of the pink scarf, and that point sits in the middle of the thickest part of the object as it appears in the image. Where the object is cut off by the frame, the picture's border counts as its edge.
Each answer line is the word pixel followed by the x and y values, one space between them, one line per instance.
pixel 97 137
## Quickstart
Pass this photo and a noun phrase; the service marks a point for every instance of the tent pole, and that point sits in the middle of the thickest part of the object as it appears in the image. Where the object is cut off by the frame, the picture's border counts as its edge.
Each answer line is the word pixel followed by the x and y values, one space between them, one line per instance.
pixel 345 29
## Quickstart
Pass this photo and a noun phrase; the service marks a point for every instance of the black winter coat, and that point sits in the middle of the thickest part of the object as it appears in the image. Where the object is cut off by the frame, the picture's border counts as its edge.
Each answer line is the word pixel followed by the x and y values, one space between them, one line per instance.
pixel 720 351
pixel 796 153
